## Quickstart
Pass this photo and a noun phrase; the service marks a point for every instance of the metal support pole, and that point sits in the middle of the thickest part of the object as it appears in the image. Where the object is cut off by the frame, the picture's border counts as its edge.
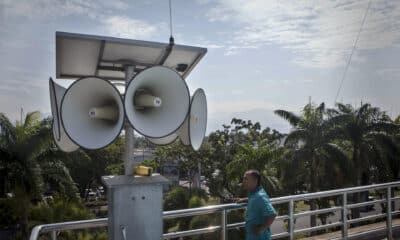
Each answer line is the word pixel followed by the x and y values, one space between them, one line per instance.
pixel 389 213
pixel 344 217
pixel 53 235
pixel 223 225
pixel 291 219
pixel 129 159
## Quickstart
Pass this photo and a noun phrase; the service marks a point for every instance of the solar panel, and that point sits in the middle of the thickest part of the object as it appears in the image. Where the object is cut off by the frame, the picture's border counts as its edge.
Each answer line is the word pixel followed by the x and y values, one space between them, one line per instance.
pixel 80 55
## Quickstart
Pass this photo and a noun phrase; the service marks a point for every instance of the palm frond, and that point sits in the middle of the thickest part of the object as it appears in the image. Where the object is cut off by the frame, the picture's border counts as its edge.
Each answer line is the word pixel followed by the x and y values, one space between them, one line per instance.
pixel 338 120
pixel 296 135
pixel 7 131
pixel 321 108
pixel 344 108
pixel 292 118
pixel 386 127
pixel 339 155
pixel 32 119
pixel 362 111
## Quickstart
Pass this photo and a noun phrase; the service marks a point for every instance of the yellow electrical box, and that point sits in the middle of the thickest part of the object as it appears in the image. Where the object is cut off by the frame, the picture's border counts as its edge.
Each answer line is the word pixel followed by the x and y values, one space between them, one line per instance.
pixel 143 171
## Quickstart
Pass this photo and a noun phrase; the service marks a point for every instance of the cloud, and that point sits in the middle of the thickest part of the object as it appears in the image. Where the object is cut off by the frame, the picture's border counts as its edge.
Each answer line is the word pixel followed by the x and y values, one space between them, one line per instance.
pixel 122 26
pixel 320 33
pixel 46 8
pixel 239 106
pixel 32 9
pixel 388 73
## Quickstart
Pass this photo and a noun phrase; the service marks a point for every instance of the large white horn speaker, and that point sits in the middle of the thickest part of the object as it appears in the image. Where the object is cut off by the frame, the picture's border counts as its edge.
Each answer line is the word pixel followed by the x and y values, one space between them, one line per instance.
pixel 63 142
pixel 157 102
pixel 193 130
pixel 92 112
pixel 197 120
pixel 164 140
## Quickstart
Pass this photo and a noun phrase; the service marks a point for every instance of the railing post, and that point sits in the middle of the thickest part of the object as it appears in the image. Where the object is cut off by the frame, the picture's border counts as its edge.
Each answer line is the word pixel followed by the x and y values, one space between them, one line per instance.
pixel 223 224
pixel 291 219
pixel 53 235
pixel 389 213
pixel 344 216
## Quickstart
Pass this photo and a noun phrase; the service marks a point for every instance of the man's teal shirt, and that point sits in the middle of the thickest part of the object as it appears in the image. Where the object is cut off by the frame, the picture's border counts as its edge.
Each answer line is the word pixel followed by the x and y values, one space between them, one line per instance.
pixel 258 208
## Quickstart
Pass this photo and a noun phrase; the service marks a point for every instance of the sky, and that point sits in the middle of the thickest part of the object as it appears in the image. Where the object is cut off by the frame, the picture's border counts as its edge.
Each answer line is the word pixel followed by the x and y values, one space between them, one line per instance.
pixel 262 55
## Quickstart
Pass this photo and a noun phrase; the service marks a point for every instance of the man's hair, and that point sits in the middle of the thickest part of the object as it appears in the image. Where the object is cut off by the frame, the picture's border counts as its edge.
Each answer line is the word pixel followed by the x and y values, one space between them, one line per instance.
pixel 255 174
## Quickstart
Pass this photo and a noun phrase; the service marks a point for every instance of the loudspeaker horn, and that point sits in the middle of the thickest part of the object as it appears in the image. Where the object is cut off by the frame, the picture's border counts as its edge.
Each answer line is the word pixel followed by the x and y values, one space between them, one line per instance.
pixel 92 112
pixel 63 142
pixel 164 140
pixel 157 102
pixel 193 130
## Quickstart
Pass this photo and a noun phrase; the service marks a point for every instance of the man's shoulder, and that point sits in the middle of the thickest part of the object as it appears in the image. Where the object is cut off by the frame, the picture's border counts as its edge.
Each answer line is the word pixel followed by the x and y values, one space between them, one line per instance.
pixel 260 197
pixel 262 193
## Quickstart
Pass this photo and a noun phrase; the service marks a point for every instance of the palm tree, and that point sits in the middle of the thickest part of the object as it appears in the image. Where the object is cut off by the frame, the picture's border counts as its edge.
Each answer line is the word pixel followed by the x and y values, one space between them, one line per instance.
pixel 264 158
pixel 29 162
pixel 312 157
pixel 367 132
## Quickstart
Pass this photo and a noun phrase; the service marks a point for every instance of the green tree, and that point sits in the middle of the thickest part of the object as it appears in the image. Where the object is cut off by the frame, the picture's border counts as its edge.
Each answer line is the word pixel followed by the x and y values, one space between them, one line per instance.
pixel 263 158
pixel 187 159
pixel 311 154
pixel 367 131
pixel 29 165
pixel 227 143
pixel 87 167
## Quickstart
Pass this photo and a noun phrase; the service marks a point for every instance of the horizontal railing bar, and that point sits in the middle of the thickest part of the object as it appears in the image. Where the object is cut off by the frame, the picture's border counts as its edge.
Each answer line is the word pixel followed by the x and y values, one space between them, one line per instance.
pixel 72 225
pixel 395 198
pixel 335 192
pixel 316 228
pixel 217 208
pixel 236 225
pixel 243 224
pixel 363 204
pixel 366 233
pixel 280 235
pixel 282 218
pixel 395 212
pixel 316 212
pixel 191 232
pixel 201 210
pixel 366 218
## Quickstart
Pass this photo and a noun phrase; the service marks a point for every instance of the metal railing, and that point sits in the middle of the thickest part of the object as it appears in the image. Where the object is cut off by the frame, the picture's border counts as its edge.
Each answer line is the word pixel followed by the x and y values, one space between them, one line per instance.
pixel 224 209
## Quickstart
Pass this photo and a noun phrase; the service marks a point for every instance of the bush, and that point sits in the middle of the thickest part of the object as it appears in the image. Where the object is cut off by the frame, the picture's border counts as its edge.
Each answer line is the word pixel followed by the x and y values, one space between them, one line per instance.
pixel 204 221
pixel 59 210
pixel 196 201
pixel 200 193
pixel 177 198
pixel 63 210
pixel 7 217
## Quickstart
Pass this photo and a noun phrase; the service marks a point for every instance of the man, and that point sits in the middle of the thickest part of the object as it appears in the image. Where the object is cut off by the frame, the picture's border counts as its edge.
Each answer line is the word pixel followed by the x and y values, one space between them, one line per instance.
pixel 260 213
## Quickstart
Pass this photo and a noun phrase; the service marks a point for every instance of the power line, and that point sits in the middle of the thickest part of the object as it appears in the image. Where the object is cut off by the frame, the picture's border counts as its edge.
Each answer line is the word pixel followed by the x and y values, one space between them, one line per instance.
pixel 352 51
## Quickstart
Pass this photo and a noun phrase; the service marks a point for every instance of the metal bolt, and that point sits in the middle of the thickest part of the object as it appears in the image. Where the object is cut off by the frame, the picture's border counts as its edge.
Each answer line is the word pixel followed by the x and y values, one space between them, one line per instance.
pixel 133 198
pixel 143 197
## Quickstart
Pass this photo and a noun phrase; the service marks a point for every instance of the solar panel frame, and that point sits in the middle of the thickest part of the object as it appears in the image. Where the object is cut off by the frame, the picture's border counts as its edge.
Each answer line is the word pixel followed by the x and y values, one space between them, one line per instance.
pixel 81 55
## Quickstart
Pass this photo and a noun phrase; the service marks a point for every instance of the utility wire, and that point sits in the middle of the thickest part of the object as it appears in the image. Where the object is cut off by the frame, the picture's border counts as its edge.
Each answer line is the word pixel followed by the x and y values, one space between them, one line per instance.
pixel 352 51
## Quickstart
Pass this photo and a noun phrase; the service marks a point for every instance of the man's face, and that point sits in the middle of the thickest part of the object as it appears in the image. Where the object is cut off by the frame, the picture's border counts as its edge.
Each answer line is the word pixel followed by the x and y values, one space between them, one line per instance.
pixel 249 182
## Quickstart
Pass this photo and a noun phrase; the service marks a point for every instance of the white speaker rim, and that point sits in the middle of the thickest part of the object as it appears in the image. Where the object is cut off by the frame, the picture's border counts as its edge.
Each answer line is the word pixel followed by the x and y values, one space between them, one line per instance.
pixel 183 132
pixel 53 89
pixel 132 81
pixel 198 91
pixel 60 147
pixel 61 110
pixel 176 136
